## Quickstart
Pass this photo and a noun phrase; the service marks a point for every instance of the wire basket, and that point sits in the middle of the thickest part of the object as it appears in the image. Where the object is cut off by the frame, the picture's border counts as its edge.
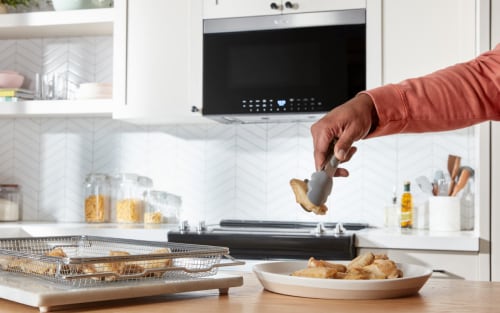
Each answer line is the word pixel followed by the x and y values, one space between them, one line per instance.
pixel 89 260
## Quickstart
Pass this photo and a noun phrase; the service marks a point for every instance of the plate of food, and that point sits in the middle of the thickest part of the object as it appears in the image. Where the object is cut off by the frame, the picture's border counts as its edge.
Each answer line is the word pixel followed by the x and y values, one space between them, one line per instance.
pixel 368 276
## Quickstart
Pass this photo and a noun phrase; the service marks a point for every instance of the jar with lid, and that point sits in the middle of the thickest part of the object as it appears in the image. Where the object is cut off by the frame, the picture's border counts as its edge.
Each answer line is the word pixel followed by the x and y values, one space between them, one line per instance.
pixel 161 207
pixel 97 198
pixel 155 206
pixel 10 202
pixel 128 206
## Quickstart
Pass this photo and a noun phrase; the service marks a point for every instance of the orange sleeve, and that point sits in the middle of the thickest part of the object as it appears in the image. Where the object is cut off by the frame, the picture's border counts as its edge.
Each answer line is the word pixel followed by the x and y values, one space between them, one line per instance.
pixel 455 97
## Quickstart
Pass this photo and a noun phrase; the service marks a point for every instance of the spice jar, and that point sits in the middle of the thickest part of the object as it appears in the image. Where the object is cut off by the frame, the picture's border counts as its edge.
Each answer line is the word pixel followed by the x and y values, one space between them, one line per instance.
pixel 128 202
pixel 97 198
pixel 10 197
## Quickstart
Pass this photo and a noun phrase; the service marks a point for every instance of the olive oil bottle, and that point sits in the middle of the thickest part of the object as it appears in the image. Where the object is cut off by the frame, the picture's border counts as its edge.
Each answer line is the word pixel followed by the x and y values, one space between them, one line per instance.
pixel 406 207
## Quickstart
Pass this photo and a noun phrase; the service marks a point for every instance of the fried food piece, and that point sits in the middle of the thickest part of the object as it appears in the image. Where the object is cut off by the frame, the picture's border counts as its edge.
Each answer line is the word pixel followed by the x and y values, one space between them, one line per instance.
pixel 316 272
pixel 320 263
pixel 384 269
pixel 58 252
pixel 299 188
pixel 361 260
pixel 357 273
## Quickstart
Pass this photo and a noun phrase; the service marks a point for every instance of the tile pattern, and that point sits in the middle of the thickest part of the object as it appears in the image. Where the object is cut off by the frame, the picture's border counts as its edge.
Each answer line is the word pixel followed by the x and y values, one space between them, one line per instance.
pixel 221 171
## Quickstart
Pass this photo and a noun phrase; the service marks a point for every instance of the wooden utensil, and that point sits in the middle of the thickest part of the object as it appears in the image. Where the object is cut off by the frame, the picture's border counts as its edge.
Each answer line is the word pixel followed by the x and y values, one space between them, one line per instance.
pixel 462 181
pixel 453 166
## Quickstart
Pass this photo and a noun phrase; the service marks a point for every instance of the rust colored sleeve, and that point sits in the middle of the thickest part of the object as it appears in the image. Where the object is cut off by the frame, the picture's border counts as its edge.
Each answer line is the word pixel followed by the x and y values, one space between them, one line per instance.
pixel 454 97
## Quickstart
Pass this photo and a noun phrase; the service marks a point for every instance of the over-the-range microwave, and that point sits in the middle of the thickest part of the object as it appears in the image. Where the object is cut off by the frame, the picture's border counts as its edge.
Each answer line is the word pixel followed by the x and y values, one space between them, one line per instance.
pixel 282 68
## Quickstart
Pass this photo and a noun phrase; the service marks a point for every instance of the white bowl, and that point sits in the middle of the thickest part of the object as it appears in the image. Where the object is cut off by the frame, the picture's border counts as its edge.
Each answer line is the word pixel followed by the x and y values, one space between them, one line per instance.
pixel 11 79
pixel 94 91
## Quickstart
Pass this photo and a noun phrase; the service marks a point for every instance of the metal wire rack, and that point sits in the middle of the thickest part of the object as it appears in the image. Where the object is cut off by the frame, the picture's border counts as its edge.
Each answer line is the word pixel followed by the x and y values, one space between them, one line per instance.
pixel 90 260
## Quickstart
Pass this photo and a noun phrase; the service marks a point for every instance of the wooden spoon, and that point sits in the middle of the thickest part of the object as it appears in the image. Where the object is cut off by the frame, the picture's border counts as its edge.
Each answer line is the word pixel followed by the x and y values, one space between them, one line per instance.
pixel 462 181
pixel 455 160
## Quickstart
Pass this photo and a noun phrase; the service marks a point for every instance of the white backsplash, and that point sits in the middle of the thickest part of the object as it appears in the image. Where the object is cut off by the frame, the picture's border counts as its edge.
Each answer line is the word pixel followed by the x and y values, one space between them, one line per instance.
pixel 221 171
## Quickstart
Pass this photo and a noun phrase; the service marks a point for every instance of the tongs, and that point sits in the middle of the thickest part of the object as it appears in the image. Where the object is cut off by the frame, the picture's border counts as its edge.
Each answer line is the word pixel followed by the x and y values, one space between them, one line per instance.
pixel 320 185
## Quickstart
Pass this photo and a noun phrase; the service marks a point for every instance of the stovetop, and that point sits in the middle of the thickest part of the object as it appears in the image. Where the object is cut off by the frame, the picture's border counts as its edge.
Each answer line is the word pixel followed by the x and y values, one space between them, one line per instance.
pixel 256 239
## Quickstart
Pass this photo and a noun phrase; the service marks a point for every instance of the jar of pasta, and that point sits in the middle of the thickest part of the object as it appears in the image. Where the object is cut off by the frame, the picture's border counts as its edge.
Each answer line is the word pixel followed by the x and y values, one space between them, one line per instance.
pixel 129 201
pixel 97 200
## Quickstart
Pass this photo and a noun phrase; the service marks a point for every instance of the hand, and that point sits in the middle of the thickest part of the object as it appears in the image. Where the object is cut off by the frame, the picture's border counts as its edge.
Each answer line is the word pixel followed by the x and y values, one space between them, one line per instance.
pixel 349 122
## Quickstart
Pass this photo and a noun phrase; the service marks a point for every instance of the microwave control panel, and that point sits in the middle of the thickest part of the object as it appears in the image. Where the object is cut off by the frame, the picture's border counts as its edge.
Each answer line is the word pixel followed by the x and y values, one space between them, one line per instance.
pixel 281 105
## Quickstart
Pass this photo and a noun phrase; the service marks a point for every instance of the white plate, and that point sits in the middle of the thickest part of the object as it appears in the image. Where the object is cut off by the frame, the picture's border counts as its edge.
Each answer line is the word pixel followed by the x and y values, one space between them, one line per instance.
pixel 275 277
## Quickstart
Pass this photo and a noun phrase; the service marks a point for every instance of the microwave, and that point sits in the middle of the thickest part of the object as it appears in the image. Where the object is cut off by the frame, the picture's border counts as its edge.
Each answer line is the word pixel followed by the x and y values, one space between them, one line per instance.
pixel 282 68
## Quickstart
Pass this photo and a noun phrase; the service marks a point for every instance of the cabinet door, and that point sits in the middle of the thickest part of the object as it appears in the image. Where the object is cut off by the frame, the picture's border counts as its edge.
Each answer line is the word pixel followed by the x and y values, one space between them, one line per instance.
pixel 418 40
pixel 445 264
pixel 239 8
pixel 158 59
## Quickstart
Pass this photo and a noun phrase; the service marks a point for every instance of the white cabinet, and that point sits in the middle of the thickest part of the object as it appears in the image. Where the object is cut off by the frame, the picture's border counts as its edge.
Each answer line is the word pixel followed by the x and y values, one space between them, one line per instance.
pixel 239 8
pixel 446 264
pixel 425 35
pixel 158 61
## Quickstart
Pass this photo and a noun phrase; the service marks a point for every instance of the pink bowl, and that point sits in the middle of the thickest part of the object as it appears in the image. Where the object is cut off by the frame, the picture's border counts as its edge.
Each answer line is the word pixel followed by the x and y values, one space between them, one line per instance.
pixel 11 79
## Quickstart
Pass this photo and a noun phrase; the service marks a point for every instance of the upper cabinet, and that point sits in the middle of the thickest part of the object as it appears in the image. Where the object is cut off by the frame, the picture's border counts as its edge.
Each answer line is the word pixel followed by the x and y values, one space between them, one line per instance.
pixel 239 8
pixel 417 40
pixel 157 61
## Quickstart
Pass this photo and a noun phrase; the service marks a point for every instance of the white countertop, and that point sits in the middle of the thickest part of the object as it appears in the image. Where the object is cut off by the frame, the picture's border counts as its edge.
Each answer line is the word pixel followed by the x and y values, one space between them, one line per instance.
pixel 367 238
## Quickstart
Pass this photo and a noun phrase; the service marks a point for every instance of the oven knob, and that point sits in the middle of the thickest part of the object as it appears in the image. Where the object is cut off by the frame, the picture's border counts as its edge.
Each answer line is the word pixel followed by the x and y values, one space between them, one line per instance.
pixel 202 227
pixel 339 229
pixel 319 230
pixel 289 5
pixel 184 226
pixel 274 6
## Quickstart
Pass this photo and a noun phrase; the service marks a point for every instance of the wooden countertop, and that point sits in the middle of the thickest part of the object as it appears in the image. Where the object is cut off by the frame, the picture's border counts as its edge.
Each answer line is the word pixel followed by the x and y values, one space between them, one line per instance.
pixel 437 295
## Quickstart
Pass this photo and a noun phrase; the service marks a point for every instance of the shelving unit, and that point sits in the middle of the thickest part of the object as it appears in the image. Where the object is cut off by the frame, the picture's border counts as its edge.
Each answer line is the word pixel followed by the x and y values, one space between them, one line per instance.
pixel 90 22
pixel 50 24
pixel 93 107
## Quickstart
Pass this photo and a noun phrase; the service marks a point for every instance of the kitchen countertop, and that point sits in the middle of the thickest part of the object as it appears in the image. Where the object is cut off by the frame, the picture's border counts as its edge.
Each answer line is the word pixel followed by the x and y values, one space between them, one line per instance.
pixel 368 238
pixel 437 295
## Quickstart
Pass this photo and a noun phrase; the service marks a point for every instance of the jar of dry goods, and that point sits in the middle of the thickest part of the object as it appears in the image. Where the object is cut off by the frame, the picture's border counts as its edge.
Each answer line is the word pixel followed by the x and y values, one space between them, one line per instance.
pixel 97 198
pixel 10 197
pixel 128 202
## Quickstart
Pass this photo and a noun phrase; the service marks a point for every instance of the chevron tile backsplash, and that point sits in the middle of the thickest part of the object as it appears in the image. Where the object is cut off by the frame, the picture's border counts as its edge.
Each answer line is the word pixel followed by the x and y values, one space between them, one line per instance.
pixel 221 171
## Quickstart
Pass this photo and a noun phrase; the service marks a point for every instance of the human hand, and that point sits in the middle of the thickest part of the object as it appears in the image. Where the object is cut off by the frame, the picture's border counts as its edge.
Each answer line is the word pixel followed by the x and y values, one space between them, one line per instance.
pixel 347 123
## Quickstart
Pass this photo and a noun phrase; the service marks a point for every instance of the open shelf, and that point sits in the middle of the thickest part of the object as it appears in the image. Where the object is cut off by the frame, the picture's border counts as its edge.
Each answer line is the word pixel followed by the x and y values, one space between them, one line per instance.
pixel 88 22
pixel 93 107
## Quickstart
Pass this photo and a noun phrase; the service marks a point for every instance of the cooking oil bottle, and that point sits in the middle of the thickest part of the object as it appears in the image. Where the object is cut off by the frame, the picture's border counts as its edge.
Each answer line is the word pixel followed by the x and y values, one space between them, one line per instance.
pixel 406 207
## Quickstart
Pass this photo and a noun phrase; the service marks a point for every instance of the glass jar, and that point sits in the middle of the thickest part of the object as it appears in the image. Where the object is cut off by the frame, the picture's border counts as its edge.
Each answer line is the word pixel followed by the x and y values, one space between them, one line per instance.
pixel 10 197
pixel 129 201
pixel 155 206
pixel 161 207
pixel 97 198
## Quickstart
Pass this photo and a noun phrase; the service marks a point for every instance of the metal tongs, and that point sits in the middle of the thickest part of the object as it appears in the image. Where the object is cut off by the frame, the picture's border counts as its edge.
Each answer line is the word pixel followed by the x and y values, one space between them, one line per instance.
pixel 320 185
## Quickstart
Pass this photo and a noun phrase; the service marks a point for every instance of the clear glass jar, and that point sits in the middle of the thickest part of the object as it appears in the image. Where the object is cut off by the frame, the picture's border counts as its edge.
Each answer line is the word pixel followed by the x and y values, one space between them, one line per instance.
pixel 155 206
pixel 97 198
pixel 10 200
pixel 161 207
pixel 128 206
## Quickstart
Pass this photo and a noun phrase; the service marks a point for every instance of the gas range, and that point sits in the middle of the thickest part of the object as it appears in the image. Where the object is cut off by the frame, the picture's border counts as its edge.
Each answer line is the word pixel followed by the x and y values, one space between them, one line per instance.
pixel 264 240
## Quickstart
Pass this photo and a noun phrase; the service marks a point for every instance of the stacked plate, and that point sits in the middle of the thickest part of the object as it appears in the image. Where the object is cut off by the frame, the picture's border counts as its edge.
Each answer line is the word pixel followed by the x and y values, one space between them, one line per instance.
pixel 94 91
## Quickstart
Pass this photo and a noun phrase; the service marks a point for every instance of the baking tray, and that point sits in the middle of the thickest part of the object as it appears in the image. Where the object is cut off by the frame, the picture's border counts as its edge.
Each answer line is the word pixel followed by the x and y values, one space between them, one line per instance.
pixel 83 261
